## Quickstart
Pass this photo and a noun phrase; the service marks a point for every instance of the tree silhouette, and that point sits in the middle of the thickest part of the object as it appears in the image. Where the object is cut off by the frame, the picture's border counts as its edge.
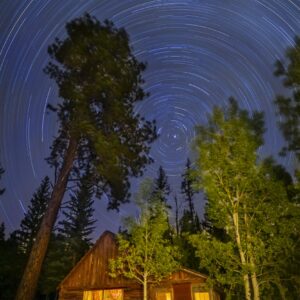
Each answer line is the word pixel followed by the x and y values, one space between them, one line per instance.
pixel 189 221
pixel 78 222
pixel 31 222
pixel 162 187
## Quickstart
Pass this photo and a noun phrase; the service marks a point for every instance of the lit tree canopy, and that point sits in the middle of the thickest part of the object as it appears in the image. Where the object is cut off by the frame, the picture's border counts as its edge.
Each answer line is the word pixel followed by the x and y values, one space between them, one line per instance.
pixel 246 199
pixel 145 254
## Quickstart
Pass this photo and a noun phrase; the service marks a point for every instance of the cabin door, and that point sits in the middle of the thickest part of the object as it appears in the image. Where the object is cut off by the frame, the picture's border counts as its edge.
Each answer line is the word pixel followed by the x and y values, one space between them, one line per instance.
pixel 182 291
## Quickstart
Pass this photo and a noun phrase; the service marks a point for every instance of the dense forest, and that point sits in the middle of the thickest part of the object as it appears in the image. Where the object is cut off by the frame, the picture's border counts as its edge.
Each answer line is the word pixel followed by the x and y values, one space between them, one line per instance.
pixel 248 240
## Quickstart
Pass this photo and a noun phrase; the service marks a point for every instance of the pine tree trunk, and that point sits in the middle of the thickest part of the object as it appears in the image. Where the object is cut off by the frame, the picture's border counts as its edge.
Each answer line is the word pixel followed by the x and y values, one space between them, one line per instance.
pixel 242 255
pixel 28 284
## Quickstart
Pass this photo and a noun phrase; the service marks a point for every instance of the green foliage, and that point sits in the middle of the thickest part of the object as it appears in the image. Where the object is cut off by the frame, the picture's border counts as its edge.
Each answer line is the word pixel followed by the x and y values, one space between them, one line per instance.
pixel 289 111
pixel 227 147
pixel 187 256
pixel 220 259
pixel 31 222
pixel 145 255
pixel 247 200
pixel 99 80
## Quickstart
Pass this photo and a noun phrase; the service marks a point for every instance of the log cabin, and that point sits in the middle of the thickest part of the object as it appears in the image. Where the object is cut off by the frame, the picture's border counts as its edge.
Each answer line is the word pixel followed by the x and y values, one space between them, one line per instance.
pixel 90 280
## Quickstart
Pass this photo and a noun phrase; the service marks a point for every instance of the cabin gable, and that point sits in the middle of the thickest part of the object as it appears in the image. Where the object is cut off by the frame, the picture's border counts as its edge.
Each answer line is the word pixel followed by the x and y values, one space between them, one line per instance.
pixel 92 270
pixel 187 275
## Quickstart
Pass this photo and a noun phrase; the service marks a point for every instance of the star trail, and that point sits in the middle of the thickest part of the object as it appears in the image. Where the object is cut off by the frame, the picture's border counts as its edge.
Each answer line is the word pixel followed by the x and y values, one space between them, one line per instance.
pixel 198 54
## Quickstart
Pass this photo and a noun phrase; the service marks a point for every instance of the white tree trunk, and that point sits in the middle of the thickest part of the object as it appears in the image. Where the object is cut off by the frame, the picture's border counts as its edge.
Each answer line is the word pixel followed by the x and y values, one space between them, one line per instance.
pixel 254 281
pixel 145 295
pixel 246 278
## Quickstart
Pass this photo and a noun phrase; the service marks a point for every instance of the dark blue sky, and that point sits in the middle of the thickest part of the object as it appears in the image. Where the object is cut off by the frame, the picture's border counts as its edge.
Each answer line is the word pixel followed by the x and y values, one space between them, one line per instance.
pixel 199 53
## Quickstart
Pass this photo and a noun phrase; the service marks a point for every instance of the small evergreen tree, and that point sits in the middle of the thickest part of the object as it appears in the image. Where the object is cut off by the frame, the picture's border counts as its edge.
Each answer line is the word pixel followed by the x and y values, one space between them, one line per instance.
pixel 189 221
pixel 144 253
pixel 162 187
pixel 78 223
pixel 30 224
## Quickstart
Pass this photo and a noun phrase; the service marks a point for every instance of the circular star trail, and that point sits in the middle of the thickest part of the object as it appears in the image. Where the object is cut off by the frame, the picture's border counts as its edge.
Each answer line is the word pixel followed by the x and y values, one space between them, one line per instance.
pixel 199 53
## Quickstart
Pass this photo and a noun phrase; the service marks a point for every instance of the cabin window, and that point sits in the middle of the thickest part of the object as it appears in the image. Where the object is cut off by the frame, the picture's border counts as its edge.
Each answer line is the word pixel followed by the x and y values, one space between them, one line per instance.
pixel 115 294
pixel 164 294
pixel 201 296
pixel 199 293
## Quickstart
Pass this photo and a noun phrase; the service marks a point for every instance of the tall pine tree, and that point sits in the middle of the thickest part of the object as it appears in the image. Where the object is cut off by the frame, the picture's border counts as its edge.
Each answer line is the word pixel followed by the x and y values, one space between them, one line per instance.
pixel 99 80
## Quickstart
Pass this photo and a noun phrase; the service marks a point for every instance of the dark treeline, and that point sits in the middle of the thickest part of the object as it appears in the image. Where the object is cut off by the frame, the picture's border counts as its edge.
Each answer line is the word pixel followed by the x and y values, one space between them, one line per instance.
pixel 248 240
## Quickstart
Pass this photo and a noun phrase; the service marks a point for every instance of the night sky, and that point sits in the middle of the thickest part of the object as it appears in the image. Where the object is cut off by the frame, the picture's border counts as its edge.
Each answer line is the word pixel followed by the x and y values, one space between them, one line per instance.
pixel 199 53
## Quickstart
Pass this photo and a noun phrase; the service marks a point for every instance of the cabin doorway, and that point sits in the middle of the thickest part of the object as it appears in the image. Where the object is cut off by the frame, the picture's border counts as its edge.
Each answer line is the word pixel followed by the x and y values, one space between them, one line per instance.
pixel 182 291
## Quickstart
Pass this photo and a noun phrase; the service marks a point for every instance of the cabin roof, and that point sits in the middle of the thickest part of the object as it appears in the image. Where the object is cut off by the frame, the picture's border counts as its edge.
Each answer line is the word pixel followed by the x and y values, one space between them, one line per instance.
pixel 87 254
pixel 192 272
